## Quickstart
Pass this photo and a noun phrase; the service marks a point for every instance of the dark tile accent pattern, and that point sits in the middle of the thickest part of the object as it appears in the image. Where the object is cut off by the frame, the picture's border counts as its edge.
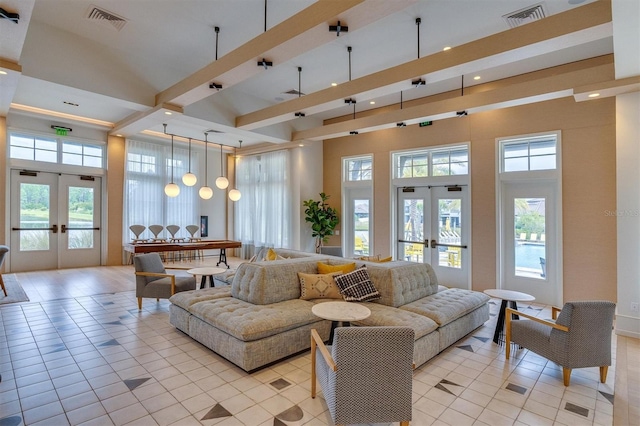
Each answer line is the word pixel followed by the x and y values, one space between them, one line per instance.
pixel 482 339
pixel 11 421
pixel 134 383
pixel 608 396
pixel 577 409
pixel 292 414
pixel 515 388
pixel 280 384
pixel 216 412
pixel 112 342
pixel 466 348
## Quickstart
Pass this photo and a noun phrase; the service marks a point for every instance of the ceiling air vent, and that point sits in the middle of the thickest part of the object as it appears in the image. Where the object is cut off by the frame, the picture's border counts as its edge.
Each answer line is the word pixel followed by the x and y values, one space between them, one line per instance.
pixel 526 15
pixel 100 15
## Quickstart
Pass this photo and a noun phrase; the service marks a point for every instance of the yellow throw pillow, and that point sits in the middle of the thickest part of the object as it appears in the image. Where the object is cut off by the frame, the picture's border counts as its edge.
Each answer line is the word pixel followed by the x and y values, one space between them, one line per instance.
pixel 319 286
pixel 324 268
pixel 386 259
pixel 271 255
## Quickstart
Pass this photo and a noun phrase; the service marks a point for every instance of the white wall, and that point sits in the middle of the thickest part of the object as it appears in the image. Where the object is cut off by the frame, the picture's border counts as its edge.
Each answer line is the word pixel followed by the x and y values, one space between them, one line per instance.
pixel 307 177
pixel 627 211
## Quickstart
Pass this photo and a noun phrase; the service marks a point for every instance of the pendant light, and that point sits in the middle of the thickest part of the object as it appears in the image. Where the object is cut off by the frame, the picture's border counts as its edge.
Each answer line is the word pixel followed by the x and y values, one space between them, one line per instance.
pixel 235 194
pixel 205 192
pixel 172 190
pixel 189 178
pixel 222 182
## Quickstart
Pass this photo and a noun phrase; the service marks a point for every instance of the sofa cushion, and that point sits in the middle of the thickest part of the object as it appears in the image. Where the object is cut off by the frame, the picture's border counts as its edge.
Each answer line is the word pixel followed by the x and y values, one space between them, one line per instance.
pixel 319 286
pixel 382 315
pixel 356 286
pixel 187 298
pixel 264 283
pixel 344 268
pixel 247 322
pixel 448 305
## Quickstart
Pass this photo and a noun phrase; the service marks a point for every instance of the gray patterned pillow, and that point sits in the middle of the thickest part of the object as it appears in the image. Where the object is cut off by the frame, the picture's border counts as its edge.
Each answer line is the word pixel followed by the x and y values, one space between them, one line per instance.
pixel 356 286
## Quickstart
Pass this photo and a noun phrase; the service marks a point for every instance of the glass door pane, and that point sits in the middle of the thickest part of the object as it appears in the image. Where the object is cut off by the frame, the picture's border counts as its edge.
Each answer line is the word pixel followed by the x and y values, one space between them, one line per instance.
pixel 35 214
pixel 449 232
pixel 412 248
pixel 361 229
pixel 81 215
pixel 530 237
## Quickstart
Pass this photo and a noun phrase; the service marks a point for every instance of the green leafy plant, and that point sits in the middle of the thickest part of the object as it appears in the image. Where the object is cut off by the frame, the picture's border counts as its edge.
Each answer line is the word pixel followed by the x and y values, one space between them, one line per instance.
pixel 322 217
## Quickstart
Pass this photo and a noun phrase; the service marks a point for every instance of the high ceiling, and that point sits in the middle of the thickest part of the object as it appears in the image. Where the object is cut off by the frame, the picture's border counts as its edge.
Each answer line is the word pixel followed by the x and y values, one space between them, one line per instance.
pixel 125 75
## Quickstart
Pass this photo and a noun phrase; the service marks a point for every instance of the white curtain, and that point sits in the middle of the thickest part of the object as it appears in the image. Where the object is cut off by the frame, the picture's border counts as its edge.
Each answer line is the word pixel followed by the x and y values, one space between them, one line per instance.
pixel 147 171
pixel 263 214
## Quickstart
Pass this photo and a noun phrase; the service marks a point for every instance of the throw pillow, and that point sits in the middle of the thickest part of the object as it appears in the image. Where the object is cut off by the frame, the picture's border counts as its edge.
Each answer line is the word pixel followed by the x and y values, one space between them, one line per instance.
pixel 318 286
pixel 386 259
pixel 271 255
pixel 356 286
pixel 324 268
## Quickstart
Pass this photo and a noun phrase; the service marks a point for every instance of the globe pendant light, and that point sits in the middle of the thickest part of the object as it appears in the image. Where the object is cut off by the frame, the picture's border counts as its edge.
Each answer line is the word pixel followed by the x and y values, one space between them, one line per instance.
pixel 172 190
pixel 222 182
pixel 235 194
pixel 189 178
pixel 205 192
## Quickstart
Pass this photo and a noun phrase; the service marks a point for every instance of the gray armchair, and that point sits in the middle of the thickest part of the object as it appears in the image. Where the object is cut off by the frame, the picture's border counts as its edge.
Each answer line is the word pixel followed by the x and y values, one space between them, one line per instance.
pixel 366 375
pixel 152 280
pixel 579 338
pixel 3 252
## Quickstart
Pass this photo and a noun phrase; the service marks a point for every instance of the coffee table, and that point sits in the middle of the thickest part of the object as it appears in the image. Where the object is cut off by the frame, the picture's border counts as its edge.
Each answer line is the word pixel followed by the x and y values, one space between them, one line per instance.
pixel 507 296
pixel 340 312
pixel 206 272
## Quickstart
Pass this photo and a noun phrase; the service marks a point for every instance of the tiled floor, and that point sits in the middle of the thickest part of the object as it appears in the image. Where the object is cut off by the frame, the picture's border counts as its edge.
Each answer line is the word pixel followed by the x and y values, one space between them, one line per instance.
pixel 97 360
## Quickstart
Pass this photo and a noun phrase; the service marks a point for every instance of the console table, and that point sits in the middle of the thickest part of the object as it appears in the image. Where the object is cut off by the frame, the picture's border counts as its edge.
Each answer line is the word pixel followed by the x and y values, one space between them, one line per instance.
pixel 221 245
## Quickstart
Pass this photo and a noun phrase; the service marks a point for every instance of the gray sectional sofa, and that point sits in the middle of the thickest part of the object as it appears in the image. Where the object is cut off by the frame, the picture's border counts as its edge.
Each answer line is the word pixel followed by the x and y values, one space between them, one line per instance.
pixel 260 318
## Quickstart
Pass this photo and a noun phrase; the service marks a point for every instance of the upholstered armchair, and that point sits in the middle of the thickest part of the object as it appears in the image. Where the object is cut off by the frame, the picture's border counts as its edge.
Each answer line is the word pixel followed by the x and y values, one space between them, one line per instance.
pixel 152 280
pixel 366 374
pixel 3 252
pixel 580 336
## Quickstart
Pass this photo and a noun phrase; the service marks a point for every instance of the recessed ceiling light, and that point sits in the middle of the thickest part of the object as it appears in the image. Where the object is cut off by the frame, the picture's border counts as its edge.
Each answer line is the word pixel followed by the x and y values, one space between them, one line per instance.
pixel 447 48
pixel 3 72
pixel 119 135
pixel 301 144
pixel 372 102
pixel 334 84
pixel 594 95
pixel 167 112
pixel 477 77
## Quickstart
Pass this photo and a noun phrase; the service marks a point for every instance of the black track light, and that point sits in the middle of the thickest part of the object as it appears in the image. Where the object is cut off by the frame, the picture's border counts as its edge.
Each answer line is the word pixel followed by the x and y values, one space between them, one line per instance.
pixel 264 63
pixel 461 113
pixel 350 101
pixel 338 28
pixel 353 132
pixel 417 83
pixel 401 124
pixel 300 114
pixel 215 86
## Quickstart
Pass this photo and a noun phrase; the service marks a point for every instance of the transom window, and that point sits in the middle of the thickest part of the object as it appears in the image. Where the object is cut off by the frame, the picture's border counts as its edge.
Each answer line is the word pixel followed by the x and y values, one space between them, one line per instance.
pixel 55 150
pixel 432 162
pixel 534 153
pixel 358 169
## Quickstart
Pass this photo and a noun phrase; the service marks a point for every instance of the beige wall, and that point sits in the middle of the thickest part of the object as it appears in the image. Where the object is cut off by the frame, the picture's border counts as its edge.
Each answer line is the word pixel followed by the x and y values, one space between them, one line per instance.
pixel 114 199
pixel 588 187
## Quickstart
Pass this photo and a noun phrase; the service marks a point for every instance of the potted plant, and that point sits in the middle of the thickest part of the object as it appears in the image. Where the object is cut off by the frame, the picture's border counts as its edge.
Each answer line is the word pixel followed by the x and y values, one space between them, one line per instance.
pixel 322 217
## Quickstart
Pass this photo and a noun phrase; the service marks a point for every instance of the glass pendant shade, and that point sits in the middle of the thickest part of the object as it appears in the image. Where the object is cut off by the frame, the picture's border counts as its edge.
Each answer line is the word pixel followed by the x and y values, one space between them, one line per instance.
pixel 189 179
pixel 234 195
pixel 172 190
pixel 205 193
pixel 222 182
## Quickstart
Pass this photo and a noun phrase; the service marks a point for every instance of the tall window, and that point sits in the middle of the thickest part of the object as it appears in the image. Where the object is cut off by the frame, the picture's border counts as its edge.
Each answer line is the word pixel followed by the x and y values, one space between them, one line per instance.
pixel 357 203
pixel 48 149
pixel 263 214
pixel 148 170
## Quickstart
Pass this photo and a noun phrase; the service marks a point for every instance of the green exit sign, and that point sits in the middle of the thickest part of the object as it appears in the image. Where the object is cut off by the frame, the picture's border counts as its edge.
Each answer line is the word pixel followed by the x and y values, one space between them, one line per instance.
pixel 426 123
pixel 61 132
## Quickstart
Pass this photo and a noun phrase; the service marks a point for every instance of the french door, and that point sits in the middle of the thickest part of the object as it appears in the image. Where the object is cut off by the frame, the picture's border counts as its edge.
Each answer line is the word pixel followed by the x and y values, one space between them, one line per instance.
pixel 434 227
pixel 55 221
pixel 529 243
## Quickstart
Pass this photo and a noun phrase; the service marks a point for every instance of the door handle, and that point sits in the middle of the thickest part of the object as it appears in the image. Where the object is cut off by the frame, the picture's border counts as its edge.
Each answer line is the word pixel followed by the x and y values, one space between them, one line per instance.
pixel 63 229
pixel 54 229
pixel 435 244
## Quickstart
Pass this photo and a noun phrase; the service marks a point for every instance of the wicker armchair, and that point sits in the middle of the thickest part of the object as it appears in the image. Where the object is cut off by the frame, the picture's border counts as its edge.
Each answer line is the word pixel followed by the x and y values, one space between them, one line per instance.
pixel 366 375
pixel 152 280
pixel 579 338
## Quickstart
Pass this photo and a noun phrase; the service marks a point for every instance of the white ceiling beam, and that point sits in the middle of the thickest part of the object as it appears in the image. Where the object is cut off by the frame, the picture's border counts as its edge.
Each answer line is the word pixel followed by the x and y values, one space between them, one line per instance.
pixel 574 27
pixel 542 89
pixel 146 119
pixel 607 89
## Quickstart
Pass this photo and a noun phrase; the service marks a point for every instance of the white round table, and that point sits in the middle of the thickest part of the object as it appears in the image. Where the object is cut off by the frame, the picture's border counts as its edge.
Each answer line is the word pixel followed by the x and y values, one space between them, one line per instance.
pixel 343 312
pixel 507 296
pixel 206 272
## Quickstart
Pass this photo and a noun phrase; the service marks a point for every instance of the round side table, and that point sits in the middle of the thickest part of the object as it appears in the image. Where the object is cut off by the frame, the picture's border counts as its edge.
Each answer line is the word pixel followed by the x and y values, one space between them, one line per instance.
pixel 340 312
pixel 206 272
pixel 507 296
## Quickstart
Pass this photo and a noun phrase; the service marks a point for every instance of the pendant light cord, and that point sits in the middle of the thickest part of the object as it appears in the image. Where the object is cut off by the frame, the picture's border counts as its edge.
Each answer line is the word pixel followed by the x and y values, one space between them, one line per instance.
pixel 171 158
pixel 206 157
pixel 221 169
pixel 189 155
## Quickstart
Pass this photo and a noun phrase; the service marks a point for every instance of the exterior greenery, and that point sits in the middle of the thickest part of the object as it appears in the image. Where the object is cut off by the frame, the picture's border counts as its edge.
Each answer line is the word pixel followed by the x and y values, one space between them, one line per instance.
pixel 322 217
